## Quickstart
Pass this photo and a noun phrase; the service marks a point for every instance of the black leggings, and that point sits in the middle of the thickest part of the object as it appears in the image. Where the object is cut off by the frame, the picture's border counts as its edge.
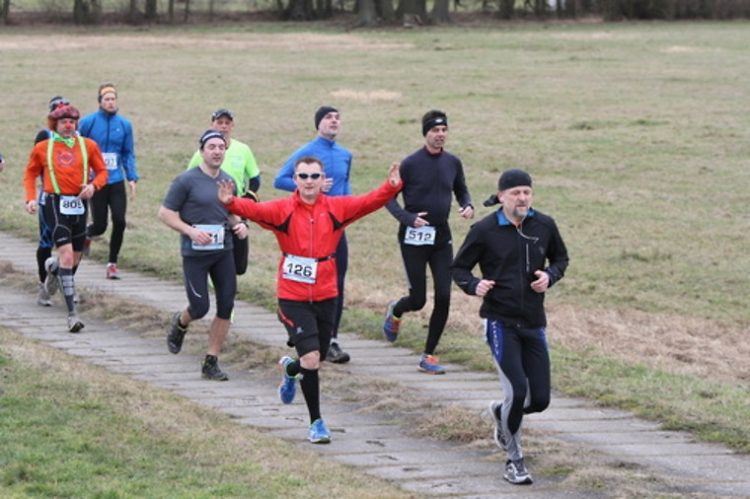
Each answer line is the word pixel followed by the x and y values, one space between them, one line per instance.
pixel 196 269
pixel 416 259
pixel 342 262
pixel 241 249
pixel 522 358
pixel 110 197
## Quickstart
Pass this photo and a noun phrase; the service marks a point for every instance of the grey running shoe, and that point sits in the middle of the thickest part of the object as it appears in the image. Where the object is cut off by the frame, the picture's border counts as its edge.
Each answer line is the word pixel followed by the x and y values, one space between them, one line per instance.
pixel 43 298
pixel 211 369
pixel 74 323
pixel 516 473
pixel 495 408
pixel 175 334
pixel 51 283
pixel 336 355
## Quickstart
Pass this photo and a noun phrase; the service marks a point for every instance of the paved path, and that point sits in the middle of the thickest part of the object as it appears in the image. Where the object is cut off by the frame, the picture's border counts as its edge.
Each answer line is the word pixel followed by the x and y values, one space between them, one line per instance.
pixel 372 442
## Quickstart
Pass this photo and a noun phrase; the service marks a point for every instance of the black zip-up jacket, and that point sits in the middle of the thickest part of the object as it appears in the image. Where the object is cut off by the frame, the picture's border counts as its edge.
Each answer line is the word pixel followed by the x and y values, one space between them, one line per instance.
pixel 510 256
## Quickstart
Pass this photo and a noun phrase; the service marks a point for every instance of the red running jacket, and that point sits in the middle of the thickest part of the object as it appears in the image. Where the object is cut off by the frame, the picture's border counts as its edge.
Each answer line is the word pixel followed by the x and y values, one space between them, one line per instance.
pixel 311 231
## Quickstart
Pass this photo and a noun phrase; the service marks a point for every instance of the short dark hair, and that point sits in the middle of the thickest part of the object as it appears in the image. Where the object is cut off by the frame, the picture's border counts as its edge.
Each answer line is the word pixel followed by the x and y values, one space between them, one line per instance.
pixel 309 160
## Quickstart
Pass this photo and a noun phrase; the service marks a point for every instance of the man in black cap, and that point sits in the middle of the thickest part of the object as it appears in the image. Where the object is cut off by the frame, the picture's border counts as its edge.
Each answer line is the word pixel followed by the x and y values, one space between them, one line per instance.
pixel 431 176
pixel 511 247
pixel 337 165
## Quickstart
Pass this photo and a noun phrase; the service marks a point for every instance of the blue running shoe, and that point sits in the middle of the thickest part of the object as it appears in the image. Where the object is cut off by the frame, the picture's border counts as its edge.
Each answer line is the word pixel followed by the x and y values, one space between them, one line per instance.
pixel 429 364
pixel 391 323
pixel 288 386
pixel 319 433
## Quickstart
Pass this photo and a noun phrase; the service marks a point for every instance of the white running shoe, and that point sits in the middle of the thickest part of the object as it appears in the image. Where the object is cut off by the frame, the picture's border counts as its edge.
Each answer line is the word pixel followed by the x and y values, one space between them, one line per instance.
pixel 51 283
pixel 74 323
pixel 43 298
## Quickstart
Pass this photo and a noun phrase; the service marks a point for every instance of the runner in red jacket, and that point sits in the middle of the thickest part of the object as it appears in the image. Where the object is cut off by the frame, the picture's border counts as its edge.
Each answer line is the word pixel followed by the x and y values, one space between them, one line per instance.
pixel 308 226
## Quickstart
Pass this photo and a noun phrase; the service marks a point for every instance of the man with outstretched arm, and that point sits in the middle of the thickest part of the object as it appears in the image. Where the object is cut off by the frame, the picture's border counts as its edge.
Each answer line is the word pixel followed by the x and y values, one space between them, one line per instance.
pixel 308 226
pixel 512 246
pixel 337 165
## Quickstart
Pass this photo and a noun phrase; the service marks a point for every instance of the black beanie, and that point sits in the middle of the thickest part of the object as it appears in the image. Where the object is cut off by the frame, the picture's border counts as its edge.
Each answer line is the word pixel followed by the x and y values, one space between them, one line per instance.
pixel 433 118
pixel 513 178
pixel 321 112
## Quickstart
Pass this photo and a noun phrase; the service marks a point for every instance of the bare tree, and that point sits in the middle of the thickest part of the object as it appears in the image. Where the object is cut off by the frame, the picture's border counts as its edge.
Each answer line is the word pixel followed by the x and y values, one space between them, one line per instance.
pixel 6 11
pixel 440 12
pixel 506 9
pixel 299 10
pixel 151 11
pixel 366 14
pixel 385 10
pixel 412 11
pixel 86 11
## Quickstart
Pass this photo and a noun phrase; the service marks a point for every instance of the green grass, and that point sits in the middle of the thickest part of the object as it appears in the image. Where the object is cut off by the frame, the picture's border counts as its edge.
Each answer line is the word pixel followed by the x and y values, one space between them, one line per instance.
pixel 709 409
pixel 67 429
pixel 636 136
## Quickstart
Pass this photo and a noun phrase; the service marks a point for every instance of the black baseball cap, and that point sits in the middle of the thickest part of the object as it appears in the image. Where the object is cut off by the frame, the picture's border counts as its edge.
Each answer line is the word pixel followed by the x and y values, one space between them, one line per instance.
pixel 222 112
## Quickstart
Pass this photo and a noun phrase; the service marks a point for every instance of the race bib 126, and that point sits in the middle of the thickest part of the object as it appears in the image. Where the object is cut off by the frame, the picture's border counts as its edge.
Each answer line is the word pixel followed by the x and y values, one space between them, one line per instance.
pixel 300 269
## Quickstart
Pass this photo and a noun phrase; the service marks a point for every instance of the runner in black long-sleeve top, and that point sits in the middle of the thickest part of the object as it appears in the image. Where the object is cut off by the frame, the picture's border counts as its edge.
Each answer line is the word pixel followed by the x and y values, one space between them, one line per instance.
pixel 431 177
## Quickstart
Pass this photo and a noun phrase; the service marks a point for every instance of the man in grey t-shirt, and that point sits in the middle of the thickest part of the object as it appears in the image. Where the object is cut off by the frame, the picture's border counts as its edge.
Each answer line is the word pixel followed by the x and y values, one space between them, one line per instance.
pixel 192 208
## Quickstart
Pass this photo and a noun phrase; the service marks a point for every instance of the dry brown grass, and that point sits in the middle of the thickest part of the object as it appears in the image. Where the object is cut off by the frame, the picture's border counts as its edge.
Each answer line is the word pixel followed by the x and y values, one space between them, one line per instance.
pixel 287 41
pixel 679 345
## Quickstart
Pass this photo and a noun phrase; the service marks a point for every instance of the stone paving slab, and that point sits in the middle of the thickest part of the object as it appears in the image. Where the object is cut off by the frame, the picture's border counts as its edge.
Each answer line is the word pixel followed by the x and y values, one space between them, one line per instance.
pixel 366 440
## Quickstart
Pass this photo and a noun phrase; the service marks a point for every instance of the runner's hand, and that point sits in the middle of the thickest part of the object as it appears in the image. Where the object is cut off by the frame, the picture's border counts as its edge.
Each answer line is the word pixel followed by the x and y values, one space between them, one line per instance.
pixel 226 191
pixel 30 207
pixel 466 212
pixel 484 287
pixel 240 230
pixel 394 174
pixel 87 192
pixel 542 282
pixel 420 221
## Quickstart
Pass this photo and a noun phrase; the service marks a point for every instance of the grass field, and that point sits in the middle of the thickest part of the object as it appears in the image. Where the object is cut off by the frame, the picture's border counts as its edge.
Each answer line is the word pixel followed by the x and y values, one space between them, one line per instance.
pixel 636 135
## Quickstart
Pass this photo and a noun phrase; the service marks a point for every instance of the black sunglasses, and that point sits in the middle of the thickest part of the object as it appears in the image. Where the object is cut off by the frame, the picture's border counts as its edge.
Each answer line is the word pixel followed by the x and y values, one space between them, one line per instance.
pixel 314 176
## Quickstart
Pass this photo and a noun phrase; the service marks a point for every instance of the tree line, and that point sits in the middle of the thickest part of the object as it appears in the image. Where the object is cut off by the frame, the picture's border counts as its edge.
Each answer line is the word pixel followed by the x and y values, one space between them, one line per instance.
pixel 406 12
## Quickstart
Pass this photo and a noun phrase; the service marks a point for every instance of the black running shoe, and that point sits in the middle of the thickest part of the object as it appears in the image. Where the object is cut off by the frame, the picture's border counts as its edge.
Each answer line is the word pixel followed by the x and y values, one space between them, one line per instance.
pixel 175 334
pixel 211 369
pixel 336 355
